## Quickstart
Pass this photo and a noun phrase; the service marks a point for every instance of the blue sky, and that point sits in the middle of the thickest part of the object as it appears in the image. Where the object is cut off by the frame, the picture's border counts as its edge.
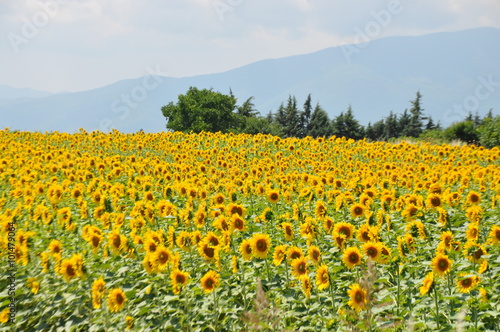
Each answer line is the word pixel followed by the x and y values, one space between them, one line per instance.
pixel 74 45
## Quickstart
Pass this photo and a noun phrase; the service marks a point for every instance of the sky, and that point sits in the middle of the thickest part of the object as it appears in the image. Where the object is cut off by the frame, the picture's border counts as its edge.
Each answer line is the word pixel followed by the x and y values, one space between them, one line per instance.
pixel 76 45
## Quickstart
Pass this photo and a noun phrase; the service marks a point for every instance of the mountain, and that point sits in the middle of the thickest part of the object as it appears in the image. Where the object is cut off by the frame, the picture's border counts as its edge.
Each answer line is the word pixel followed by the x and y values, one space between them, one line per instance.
pixel 8 92
pixel 454 71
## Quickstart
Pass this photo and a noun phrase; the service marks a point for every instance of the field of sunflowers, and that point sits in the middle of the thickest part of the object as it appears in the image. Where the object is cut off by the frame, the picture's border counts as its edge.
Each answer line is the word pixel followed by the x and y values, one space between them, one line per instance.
pixel 222 232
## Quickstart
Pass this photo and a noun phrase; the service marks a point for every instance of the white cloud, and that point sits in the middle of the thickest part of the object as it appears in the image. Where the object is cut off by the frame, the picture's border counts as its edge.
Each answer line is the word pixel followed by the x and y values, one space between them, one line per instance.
pixel 91 42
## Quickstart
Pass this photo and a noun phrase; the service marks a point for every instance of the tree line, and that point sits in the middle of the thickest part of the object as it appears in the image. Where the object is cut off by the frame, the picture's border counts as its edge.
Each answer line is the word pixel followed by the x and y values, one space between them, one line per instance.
pixel 207 110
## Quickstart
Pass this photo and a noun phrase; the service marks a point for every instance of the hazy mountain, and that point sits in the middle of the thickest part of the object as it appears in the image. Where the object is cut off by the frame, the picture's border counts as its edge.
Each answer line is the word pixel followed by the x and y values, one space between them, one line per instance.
pixel 8 92
pixel 455 72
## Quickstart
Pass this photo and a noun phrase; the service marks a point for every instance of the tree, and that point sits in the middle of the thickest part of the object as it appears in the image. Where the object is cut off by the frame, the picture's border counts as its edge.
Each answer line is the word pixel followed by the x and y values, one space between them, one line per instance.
pixel 201 110
pixel 247 109
pixel 489 131
pixel 345 125
pixel 292 119
pixel 465 131
pixel 415 125
pixel 305 118
pixel 391 128
pixel 320 123
pixel 404 124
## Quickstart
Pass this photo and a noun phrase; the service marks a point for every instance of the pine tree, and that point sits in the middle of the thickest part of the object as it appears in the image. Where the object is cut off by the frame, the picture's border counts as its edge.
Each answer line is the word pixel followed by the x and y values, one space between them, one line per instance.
pixel 320 123
pixel 305 117
pixel 391 127
pixel 291 127
pixel 416 111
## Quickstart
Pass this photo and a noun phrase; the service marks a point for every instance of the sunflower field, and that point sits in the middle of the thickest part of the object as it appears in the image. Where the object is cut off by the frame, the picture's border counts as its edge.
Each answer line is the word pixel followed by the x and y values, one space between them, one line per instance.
pixel 223 232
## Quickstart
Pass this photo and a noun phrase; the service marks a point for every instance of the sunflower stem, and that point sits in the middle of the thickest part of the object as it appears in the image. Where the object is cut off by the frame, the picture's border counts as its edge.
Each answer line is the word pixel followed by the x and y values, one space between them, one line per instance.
pixel 331 294
pixel 268 274
pixel 437 307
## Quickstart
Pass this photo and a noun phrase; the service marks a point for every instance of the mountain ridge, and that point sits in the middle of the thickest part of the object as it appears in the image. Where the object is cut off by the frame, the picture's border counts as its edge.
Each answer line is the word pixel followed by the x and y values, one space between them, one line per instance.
pixel 447 68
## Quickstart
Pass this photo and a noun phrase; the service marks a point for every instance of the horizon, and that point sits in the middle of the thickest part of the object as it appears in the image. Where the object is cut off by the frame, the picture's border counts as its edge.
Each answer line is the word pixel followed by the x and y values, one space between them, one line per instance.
pixel 48 46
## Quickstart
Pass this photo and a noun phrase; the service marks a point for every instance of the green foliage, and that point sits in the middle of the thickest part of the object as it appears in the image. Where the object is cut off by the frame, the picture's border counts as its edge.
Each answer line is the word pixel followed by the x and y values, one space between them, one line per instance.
pixel 489 132
pixel 464 131
pixel 320 123
pixel 201 110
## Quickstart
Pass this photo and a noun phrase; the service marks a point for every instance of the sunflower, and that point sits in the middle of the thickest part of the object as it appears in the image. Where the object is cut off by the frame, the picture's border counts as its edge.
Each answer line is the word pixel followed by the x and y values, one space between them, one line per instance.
pixel 344 228
pixel 68 269
pixel 116 300
pixel 161 257
pixel 385 254
pixel 246 249
pixel 287 230
pixel 279 254
pixel 184 240
pixel 219 199
pixel 427 283
pixel 322 277
pixel 410 211
pixel 5 315
pixel 473 197
pixel 210 281
pixel 117 242
pixel 328 224
pixel 95 241
pixel 357 210
pixel 320 210
pixel 495 234
pixel 261 243
pixel 339 240
pixel 417 229
pixel 306 286
pixel 314 254
pixel 238 223
pixel 55 247
pixel 299 267
pixel 129 320
pixel 149 263
pixel 441 264
pixel 352 257
pixel 98 292
pixel 472 232
pixel 474 251
pixel 446 240
pixel 179 279
pixel 373 250
pixel 467 282
pixel 207 250
pixel 357 297
pixel 367 233
pixel 273 196
pixel 34 285
pixel 294 252
pixel 434 201
pixel 150 245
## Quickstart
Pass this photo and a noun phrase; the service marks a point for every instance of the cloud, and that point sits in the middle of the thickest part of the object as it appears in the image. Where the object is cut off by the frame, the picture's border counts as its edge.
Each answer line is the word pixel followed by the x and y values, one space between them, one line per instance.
pixel 98 42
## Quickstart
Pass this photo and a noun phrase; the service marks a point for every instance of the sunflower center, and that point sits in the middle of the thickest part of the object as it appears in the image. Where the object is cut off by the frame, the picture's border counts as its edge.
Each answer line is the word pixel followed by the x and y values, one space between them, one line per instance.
pixel 261 245
pixel 353 258
pixel 443 264
pixel 358 297
pixel 372 252
pixel 70 271
pixel 466 282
